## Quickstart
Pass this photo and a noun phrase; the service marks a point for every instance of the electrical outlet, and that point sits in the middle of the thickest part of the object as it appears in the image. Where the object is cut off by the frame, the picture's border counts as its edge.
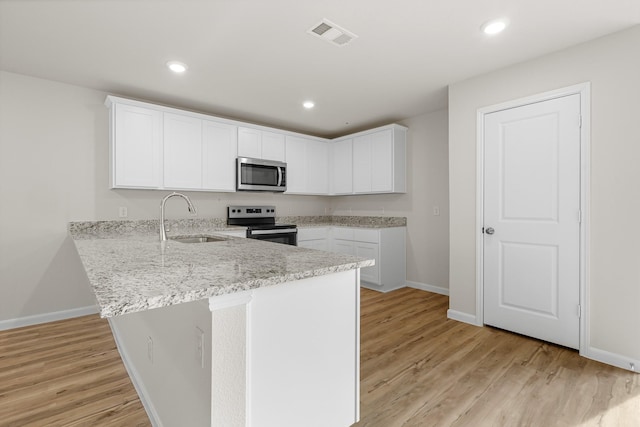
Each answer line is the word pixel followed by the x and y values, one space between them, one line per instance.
pixel 150 349
pixel 436 211
pixel 122 212
pixel 200 346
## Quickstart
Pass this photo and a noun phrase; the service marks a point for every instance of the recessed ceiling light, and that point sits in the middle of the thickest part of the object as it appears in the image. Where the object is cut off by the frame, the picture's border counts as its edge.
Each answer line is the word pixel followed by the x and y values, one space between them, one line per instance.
pixel 308 105
pixel 177 67
pixel 494 27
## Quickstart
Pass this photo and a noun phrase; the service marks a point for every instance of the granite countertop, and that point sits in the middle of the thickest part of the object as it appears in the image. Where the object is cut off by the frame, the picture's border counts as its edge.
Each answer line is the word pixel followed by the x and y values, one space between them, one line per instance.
pixel 345 221
pixel 131 271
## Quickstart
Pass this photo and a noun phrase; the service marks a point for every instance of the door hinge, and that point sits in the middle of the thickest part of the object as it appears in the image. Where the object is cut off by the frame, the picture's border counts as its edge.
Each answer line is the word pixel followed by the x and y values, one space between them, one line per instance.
pixel 579 311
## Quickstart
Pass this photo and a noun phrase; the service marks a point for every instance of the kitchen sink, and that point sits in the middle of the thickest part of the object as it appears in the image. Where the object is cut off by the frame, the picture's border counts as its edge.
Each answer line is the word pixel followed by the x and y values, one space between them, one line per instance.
pixel 198 239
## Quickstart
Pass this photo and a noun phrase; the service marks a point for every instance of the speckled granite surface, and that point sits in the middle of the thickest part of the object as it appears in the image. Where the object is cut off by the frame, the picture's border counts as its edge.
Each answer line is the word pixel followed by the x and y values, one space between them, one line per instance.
pixel 102 229
pixel 131 271
pixel 345 221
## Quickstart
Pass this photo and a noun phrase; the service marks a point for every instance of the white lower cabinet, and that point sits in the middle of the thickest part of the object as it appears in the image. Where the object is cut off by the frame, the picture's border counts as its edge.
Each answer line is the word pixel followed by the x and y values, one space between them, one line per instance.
pixel 314 238
pixel 387 246
pixel 239 233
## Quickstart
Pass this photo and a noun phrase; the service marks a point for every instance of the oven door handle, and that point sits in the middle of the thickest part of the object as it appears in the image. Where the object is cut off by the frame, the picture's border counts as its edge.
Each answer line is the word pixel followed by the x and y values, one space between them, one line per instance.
pixel 277 231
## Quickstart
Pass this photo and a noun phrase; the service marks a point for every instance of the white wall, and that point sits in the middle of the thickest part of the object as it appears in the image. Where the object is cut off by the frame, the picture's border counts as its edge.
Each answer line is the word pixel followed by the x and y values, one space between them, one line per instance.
pixel 54 169
pixel 427 187
pixel 612 65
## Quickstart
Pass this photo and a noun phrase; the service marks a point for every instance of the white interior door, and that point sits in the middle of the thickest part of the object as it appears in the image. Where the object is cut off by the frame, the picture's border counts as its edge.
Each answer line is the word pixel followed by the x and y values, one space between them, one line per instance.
pixel 532 220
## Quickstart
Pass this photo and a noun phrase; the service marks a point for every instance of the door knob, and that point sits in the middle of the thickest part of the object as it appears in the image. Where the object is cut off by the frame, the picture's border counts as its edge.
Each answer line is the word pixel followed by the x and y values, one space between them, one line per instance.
pixel 490 230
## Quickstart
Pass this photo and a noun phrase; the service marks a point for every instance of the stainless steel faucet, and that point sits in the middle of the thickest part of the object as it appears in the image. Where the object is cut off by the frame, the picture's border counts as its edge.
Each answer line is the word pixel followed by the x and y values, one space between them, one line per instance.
pixel 192 209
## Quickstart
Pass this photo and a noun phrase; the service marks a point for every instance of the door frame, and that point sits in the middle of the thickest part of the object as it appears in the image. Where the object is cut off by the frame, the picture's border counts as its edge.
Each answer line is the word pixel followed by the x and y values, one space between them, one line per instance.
pixel 584 90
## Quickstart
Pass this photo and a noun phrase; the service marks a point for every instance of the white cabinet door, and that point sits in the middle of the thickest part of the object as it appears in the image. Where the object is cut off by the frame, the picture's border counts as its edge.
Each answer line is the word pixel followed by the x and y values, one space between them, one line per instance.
pixel 273 146
pixel 240 233
pixel 341 162
pixel 136 147
pixel 296 165
pixel 362 166
pixel 369 251
pixel 307 166
pixel 182 152
pixel 249 143
pixel 314 238
pixel 198 154
pixel 219 152
pixel 320 244
pixel 259 144
pixel 387 246
pixel 346 247
pixel 379 161
pixel 317 167
pixel 382 161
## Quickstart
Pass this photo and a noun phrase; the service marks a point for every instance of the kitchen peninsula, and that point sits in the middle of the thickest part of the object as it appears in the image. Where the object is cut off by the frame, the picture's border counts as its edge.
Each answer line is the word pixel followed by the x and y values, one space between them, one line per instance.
pixel 233 332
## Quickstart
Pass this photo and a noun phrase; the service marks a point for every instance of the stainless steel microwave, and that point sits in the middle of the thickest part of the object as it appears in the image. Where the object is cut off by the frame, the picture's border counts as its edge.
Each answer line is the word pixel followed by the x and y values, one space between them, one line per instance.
pixel 261 175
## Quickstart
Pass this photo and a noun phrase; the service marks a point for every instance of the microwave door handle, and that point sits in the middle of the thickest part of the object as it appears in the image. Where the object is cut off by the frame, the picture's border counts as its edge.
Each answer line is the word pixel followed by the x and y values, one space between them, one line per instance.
pixel 279 176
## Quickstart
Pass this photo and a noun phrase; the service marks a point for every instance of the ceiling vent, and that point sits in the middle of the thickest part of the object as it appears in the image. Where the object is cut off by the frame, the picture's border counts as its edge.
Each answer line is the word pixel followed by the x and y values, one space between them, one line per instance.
pixel 332 33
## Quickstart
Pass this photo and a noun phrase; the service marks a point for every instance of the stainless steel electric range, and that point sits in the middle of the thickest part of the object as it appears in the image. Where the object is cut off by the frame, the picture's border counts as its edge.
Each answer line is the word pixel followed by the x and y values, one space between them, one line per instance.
pixel 261 224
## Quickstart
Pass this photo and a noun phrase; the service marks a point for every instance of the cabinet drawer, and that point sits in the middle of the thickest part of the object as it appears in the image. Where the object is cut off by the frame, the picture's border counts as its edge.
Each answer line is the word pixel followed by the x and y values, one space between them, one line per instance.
pixel 366 235
pixel 343 233
pixel 312 233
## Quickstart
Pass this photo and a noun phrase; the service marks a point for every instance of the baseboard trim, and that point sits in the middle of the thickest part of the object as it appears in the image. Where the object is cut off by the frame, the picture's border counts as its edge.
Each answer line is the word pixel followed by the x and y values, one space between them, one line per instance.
pixel 462 317
pixel 613 359
pixel 135 378
pixel 379 288
pixel 47 317
pixel 429 288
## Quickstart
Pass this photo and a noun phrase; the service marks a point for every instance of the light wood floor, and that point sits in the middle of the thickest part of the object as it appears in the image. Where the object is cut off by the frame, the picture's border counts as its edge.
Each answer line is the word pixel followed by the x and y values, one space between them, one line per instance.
pixel 418 369
pixel 66 373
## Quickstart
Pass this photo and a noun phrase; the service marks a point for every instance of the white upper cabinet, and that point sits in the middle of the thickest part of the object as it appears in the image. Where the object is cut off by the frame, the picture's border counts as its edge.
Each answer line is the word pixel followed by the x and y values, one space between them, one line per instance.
pixel 258 144
pixel 362 164
pixel 219 152
pixel 296 151
pixel 198 154
pixel 136 147
pixel 273 146
pixel 341 167
pixel 307 166
pixel 182 152
pixel 379 161
pixel 317 167
pixel 164 148
pixel 155 147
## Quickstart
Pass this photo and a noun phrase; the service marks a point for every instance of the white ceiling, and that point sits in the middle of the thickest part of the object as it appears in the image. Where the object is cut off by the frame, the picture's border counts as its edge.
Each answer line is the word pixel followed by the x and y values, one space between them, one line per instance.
pixel 253 60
